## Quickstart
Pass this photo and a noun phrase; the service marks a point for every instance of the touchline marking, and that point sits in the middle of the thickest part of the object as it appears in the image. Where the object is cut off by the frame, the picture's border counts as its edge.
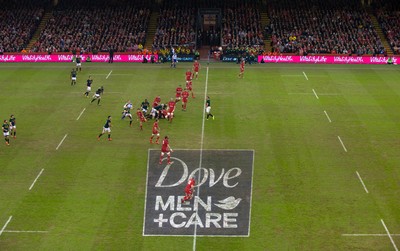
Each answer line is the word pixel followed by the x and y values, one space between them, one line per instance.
pixel 109 74
pixel 362 182
pixel 37 177
pixel 201 152
pixel 341 142
pixel 390 236
pixel 81 114
pixel 355 235
pixel 305 75
pixel 5 225
pixel 24 231
pixel 61 141
pixel 315 94
pixel 329 119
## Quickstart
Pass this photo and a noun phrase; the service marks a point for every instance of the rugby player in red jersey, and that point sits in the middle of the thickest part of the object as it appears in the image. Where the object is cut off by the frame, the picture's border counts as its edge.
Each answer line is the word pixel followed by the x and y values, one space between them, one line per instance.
pixel 157 101
pixel 189 87
pixel 242 62
pixel 188 75
pixel 171 109
pixel 196 68
pixel 165 149
pixel 185 96
pixel 155 131
pixel 140 117
pixel 189 190
pixel 178 93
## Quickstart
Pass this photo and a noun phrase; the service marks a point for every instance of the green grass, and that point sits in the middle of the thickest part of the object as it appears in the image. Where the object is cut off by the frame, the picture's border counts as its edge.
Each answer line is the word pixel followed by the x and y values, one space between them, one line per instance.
pixel 306 192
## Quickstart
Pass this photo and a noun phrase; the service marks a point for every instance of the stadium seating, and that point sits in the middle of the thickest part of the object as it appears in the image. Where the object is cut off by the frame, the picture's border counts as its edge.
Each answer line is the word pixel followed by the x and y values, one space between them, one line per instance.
pixel 387 13
pixel 337 27
pixel 93 29
pixel 17 24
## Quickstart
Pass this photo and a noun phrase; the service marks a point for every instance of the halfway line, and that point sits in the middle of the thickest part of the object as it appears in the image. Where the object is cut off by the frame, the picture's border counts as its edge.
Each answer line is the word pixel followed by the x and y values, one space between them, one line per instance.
pixel 201 153
pixel 61 141
pixel 330 121
pixel 5 225
pixel 362 182
pixel 80 114
pixel 37 177
pixel 315 94
pixel 390 236
pixel 108 74
pixel 305 75
pixel 341 142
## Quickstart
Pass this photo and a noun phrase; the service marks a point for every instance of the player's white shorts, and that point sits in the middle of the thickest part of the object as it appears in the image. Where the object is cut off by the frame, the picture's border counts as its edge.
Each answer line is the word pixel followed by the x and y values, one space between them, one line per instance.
pixel 73 78
pixel 96 95
pixel 128 115
pixel 88 88
pixel 13 127
pixel 144 110
pixel 208 109
pixel 78 64
pixel 5 134
pixel 106 130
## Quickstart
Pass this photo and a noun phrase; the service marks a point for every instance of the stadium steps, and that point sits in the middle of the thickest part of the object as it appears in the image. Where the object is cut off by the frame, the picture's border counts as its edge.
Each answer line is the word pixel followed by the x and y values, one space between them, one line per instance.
pixel 151 30
pixel 35 37
pixel 264 22
pixel 381 35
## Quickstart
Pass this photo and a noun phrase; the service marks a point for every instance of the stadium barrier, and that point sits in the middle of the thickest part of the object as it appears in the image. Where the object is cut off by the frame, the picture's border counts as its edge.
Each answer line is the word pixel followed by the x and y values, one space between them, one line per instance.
pixel 42 58
pixel 326 59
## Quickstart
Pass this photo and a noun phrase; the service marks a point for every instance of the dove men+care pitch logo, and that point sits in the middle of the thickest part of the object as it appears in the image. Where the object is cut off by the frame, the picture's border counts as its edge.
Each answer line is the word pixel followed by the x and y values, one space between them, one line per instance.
pixel 222 198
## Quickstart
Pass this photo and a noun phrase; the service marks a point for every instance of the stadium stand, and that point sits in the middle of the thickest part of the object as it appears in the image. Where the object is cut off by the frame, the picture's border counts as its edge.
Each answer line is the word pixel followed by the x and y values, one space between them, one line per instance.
pixel 388 14
pixel 18 22
pixel 333 26
pixel 175 26
pixel 93 28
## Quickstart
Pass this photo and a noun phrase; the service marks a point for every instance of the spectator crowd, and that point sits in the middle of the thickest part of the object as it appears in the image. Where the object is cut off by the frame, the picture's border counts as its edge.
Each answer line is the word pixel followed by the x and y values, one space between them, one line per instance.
pixel 18 22
pixel 388 14
pixel 331 26
pixel 300 27
pixel 241 25
pixel 122 28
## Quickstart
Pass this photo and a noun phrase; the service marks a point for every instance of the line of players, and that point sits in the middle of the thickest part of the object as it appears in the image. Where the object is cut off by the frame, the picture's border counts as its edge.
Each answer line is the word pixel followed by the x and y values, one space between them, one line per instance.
pixel 89 82
pixel 158 111
pixel 9 128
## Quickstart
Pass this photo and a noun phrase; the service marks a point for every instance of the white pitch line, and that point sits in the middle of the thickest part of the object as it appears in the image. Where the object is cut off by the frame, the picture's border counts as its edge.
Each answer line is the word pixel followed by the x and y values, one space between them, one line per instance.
pixel 341 142
pixel 24 231
pixel 315 93
pixel 327 116
pixel 109 74
pixel 390 236
pixel 201 152
pixel 355 235
pixel 5 225
pixel 362 182
pixel 305 75
pixel 61 141
pixel 81 114
pixel 37 177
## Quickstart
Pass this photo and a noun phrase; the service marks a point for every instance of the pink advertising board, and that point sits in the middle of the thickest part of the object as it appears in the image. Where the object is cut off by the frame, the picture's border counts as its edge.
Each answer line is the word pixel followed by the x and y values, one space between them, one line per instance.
pixel 42 58
pixel 325 59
